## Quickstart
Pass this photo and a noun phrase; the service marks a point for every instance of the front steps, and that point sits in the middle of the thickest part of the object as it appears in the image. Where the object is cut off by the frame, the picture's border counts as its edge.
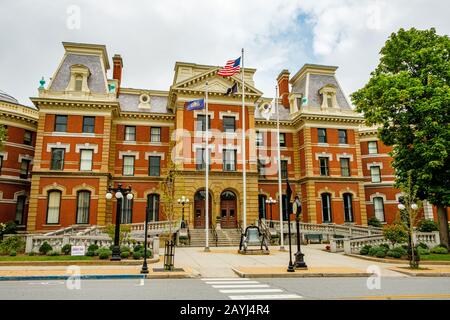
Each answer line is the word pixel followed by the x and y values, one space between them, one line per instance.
pixel 225 238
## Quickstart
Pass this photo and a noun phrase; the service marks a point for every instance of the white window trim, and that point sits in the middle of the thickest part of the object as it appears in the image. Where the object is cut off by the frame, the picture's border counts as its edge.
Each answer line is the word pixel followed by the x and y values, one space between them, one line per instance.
pixel 202 113
pixel 344 155
pixel 196 146
pixel 289 160
pixel 228 114
pixel 86 146
pixel 324 155
pixel 129 153
pixel 377 195
pixel 229 147
pixel 58 145
pixel 375 164
pixel 4 155
pixel 25 157
pixel 162 155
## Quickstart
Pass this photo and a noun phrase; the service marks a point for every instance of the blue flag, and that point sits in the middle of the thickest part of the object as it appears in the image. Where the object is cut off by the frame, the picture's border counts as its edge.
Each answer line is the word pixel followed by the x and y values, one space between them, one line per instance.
pixel 195 105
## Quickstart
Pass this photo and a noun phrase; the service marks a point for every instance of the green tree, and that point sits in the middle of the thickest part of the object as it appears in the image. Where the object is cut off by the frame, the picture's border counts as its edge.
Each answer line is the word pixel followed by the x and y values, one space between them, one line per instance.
pixel 396 233
pixel 408 97
pixel 3 135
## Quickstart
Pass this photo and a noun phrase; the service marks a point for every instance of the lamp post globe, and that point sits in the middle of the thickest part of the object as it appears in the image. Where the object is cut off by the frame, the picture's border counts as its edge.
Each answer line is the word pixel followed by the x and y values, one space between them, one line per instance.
pixel 401 206
pixel 119 195
pixel 130 196
pixel 414 206
pixel 109 196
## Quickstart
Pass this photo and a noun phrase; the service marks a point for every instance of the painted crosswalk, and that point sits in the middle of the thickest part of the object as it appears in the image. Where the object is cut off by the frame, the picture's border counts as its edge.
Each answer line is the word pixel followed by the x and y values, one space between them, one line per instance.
pixel 246 289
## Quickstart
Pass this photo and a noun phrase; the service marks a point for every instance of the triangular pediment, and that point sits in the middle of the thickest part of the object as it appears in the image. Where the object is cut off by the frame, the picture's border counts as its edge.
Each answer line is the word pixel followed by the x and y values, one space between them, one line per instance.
pixel 216 84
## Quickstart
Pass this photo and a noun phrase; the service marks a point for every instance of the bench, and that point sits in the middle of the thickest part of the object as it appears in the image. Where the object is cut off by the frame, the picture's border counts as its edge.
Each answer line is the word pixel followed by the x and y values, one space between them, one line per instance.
pixel 313 236
pixel 253 237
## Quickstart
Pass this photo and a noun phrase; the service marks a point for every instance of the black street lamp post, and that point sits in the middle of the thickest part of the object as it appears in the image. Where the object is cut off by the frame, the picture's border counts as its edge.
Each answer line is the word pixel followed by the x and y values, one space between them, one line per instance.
pixel 183 201
pixel 144 269
pixel 120 193
pixel 299 261
pixel 288 212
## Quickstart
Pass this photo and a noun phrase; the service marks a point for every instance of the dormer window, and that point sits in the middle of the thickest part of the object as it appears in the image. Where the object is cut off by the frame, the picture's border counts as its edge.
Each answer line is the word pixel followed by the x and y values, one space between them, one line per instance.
pixel 78 82
pixel 328 94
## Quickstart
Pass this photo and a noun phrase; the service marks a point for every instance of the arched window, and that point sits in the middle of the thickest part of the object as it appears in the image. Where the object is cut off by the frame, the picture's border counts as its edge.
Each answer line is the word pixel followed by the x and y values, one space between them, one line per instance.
pixel 153 206
pixel 83 206
pixel 378 205
pixel 348 207
pixel 262 206
pixel 326 208
pixel 227 195
pixel 53 206
pixel 20 208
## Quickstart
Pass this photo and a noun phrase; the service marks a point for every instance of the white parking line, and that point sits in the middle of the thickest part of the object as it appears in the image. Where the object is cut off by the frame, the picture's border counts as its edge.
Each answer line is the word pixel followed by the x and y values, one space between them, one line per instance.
pixel 228 282
pixel 266 297
pixel 223 286
pixel 251 291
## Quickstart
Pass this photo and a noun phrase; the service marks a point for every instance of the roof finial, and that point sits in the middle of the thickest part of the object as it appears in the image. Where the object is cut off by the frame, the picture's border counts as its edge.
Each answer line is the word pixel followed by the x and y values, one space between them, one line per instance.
pixel 42 82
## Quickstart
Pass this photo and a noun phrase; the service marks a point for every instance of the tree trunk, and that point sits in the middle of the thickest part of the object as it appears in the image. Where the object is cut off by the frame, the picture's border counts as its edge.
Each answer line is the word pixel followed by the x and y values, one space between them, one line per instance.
pixel 443 226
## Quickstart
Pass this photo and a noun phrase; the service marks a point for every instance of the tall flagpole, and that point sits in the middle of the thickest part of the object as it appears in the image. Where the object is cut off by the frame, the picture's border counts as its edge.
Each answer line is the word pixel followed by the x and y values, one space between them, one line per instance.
pixel 207 172
pixel 244 156
pixel 280 201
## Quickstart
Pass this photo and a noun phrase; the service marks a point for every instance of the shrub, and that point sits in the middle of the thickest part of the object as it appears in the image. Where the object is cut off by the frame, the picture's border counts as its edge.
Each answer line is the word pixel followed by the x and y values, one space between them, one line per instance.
pixel 395 233
pixel 124 248
pixel 10 227
pixel 93 247
pixel 45 248
pixel 137 255
pixel 13 253
pixel 380 254
pixel 427 225
pixel 422 251
pixel 138 248
pixel 374 222
pixel 90 253
pixel 439 250
pixel 386 246
pixel 124 254
pixel 66 249
pixel 53 253
pixel 149 253
pixel 31 254
pixel 394 254
pixel 365 250
pixel 374 250
pixel 12 243
pixel 104 253
pixel 422 245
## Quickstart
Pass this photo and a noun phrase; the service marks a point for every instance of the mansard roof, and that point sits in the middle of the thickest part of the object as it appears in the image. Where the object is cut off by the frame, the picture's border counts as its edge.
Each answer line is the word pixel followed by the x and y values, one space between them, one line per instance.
pixel 130 101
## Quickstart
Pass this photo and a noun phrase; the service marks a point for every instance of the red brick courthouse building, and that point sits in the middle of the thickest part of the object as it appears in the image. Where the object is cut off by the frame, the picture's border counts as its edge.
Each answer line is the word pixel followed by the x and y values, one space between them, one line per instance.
pixel 86 132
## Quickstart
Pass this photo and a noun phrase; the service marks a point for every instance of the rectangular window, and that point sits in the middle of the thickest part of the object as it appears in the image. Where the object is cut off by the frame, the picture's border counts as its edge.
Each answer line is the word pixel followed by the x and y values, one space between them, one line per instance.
pixel 345 167
pixel 200 160
pixel 86 160
pixel 282 139
pixel 20 208
pixel 155 134
pixel 348 207
pixel 322 135
pixel 60 123
pixel 78 83
pixel 128 165
pixel 261 168
pixel 373 147
pixel 88 124
pixel 324 171
pixel 378 204
pixel 57 161
pixel 375 174
pixel 83 206
pixel 284 169
pixel 259 139
pixel 53 206
pixel 326 208
pixel 127 211
pixel 24 169
pixel 130 133
pixel 229 124
pixel 1 164
pixel 229 160
pixel 330 102
pixel 299 103
pixel 200 123
pixel 154 166
pixel 342 136
pixel 28 138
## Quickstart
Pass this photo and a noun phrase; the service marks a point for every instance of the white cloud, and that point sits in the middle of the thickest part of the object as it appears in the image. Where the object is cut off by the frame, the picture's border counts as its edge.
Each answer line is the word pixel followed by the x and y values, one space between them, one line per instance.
pixel 152 35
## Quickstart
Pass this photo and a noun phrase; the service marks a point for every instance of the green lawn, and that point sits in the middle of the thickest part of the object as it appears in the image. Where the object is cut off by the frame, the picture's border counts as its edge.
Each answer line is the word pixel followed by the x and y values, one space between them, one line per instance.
pixel 44 258
pixel 435 257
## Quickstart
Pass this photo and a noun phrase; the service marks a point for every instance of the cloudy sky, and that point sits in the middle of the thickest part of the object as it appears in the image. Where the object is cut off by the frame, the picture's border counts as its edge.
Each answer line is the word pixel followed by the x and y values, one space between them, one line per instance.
pixel 152 35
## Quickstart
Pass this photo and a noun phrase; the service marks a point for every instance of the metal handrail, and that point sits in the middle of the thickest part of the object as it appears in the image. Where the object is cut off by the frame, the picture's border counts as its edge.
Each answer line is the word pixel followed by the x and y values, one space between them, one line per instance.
pixel 265 230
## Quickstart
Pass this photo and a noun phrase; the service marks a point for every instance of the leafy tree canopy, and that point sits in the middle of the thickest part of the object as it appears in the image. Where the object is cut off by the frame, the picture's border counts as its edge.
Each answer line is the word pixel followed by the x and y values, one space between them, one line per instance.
pixel 408 97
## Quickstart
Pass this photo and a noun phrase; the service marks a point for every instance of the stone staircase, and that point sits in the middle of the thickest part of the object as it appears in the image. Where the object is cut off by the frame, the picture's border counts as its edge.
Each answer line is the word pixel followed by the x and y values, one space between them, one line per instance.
pixel 225 238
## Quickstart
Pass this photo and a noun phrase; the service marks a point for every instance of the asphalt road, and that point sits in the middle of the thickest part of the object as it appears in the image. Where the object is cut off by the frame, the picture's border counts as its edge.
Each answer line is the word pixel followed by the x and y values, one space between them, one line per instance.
pixel 231 288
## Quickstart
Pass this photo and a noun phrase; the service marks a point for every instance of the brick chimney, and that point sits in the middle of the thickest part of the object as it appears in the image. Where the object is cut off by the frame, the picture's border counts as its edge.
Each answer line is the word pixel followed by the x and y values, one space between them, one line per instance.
pixel 117 71
pixel 283 87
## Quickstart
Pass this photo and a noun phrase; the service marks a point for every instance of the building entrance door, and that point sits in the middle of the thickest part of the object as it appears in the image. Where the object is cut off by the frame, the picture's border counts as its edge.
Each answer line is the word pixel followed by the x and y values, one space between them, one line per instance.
pixel 199 210
pixel 228 212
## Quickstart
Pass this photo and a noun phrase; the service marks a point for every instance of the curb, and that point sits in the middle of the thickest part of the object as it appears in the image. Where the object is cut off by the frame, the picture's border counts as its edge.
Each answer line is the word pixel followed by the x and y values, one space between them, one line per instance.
pixel 419 274
pixel 398 261
pixel 76 262
pixel 66 277
pixel 301 275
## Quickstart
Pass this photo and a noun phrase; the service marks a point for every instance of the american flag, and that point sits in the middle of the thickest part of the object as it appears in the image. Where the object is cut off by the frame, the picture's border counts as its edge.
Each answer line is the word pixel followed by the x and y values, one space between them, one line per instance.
pixel 231 68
